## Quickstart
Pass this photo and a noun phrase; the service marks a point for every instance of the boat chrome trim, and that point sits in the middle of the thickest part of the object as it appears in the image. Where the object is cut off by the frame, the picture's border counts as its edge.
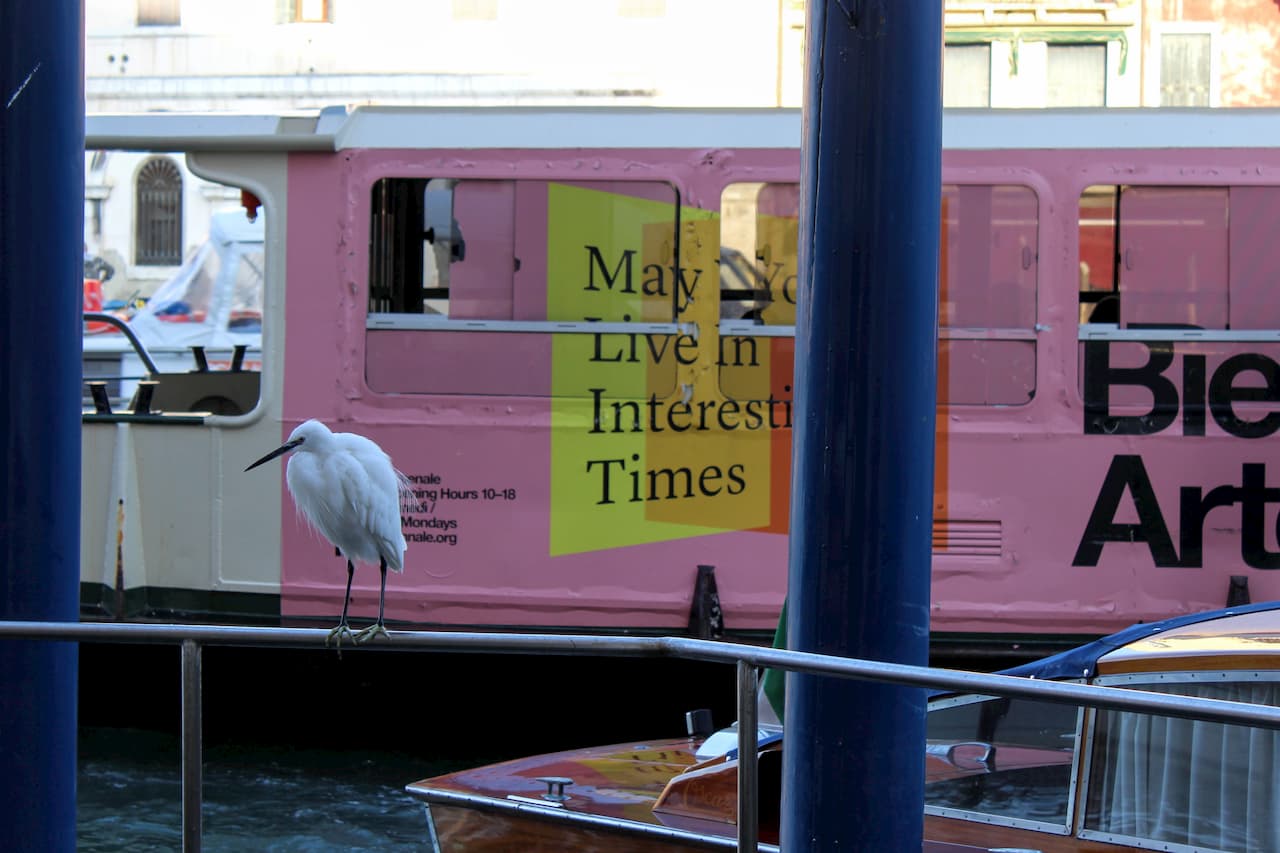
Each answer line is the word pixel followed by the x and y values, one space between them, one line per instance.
pixel 557 814
pixel 998 820
pixel 1141 843
pixel 433 840
pixel 1204 676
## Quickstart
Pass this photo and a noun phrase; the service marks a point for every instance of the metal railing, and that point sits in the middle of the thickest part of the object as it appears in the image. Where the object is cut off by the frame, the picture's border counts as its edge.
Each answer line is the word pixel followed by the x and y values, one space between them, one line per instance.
pixel 192 638
pixel 122 326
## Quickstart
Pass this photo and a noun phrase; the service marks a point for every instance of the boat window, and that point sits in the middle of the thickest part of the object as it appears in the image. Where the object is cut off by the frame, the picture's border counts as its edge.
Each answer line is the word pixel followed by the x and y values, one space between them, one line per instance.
pixel 988 267
pixel 1179 257
pixel 1155 256
pixel 418 253
pixel 1000 758
pixel 1099 302
pixel 758 234
pixel 755 349
pixel 987 297
pixel 516 280
pixel 1186 782
pixel 523 250
pixel 1178 281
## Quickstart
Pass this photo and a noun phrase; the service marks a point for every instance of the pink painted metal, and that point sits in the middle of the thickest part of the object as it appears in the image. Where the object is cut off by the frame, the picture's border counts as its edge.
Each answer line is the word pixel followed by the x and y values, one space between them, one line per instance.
pixel 1053 515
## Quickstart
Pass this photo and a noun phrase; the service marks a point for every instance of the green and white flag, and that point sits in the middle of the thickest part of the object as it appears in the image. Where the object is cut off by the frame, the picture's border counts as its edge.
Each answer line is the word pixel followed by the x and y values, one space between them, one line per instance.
pixel 773 685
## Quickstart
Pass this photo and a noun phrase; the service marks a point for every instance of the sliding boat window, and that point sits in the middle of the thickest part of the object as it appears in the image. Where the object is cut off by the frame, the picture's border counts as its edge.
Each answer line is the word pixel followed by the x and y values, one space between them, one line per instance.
pixel 987 289
pixel 758 234
pixel 757 264
pixel 1166 783
pixel 418 253
pixel 987 295
pixel 1001 760
pixel 516 284
pixel 1179 257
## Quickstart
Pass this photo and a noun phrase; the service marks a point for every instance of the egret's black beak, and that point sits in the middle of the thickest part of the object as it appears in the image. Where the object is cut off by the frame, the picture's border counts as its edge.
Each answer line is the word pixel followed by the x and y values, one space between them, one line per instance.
pixel 279 451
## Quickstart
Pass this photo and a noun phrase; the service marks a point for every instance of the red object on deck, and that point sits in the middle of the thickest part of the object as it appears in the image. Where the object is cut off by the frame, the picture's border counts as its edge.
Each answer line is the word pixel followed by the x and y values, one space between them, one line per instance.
pixel 92 294
pixel 93 302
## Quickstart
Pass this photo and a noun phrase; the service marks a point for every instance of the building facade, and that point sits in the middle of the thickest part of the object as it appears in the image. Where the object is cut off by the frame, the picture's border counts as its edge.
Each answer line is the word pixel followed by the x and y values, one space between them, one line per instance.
pixel 1113 53
pixel 144 212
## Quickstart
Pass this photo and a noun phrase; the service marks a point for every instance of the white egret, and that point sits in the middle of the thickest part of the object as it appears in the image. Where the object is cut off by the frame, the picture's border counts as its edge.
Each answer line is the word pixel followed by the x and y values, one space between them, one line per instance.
pixel 347 488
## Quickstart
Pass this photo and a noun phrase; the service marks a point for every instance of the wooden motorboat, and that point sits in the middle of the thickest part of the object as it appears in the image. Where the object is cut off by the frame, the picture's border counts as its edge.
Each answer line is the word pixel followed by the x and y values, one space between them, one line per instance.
pixel 1000 773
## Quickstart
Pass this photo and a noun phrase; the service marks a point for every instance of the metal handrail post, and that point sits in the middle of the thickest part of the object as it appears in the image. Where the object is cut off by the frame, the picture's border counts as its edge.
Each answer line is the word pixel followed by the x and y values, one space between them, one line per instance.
pixel 192 747
pixel 748 760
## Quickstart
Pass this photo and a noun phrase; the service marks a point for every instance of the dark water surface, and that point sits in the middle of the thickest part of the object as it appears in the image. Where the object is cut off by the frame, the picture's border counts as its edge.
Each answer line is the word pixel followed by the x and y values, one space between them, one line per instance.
pixel 308 751
pixel 255 798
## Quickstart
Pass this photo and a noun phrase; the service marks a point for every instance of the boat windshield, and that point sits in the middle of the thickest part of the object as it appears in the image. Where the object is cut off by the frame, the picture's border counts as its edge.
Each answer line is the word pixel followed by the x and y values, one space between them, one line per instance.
pixel 1004 759
pixel 1187 782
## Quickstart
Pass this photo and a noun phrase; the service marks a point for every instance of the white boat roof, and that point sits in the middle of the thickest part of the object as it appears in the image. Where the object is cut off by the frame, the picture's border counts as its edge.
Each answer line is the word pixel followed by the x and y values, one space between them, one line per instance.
pixel 336 129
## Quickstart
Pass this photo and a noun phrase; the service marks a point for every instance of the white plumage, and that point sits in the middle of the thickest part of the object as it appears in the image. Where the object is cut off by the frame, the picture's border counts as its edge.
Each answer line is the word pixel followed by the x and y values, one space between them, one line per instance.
pixel 347 489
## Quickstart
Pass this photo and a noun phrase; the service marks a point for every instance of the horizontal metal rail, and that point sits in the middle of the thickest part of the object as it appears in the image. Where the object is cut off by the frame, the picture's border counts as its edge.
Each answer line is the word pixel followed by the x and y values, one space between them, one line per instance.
pixel 586 645
pixel 192 637
pixel 383 321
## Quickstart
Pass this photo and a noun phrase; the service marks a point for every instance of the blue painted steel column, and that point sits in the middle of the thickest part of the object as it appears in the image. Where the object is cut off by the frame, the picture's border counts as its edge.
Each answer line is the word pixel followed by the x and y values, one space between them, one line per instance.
pixel 41 269
pixel 866 366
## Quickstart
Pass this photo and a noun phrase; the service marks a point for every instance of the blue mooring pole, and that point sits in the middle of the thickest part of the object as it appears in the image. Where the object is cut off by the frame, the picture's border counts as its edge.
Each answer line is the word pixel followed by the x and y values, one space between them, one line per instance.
pixel 866 366
pixel 41 270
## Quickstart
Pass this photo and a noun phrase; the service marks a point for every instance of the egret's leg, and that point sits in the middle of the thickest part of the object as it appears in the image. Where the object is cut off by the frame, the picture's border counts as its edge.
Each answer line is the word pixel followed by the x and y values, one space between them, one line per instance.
pixel 343 629
pixel 377 628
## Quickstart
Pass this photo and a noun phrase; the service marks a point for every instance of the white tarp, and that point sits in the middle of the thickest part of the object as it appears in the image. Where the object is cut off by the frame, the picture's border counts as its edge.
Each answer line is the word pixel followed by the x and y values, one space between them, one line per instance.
pixel 214 300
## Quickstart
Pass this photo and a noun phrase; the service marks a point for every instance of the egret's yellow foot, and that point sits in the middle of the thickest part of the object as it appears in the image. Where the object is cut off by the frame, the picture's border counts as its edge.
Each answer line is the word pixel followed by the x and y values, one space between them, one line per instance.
pixel 336 635
pixel 367 634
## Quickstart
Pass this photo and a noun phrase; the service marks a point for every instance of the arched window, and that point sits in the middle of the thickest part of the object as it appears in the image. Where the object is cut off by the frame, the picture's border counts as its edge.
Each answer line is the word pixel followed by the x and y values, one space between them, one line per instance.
pixel 158 202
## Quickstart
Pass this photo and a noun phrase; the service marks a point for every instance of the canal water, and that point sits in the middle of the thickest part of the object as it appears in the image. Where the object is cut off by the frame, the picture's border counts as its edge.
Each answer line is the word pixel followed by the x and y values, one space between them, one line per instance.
pixel 308 751
pixel 255 797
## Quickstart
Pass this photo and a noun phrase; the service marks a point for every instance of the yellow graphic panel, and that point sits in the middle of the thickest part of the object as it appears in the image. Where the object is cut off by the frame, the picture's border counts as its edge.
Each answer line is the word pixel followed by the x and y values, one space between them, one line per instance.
pixel 644 446
pixel 707 467
pixel 596 270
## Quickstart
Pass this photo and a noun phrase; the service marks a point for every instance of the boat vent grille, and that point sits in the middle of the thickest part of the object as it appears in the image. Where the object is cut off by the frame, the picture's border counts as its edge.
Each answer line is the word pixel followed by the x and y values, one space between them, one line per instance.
pixel 967 538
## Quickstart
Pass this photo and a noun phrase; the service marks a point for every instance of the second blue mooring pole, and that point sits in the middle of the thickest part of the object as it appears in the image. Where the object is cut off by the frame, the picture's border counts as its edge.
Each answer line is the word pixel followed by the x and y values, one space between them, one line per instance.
pixel 866 366
pixel 41 285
